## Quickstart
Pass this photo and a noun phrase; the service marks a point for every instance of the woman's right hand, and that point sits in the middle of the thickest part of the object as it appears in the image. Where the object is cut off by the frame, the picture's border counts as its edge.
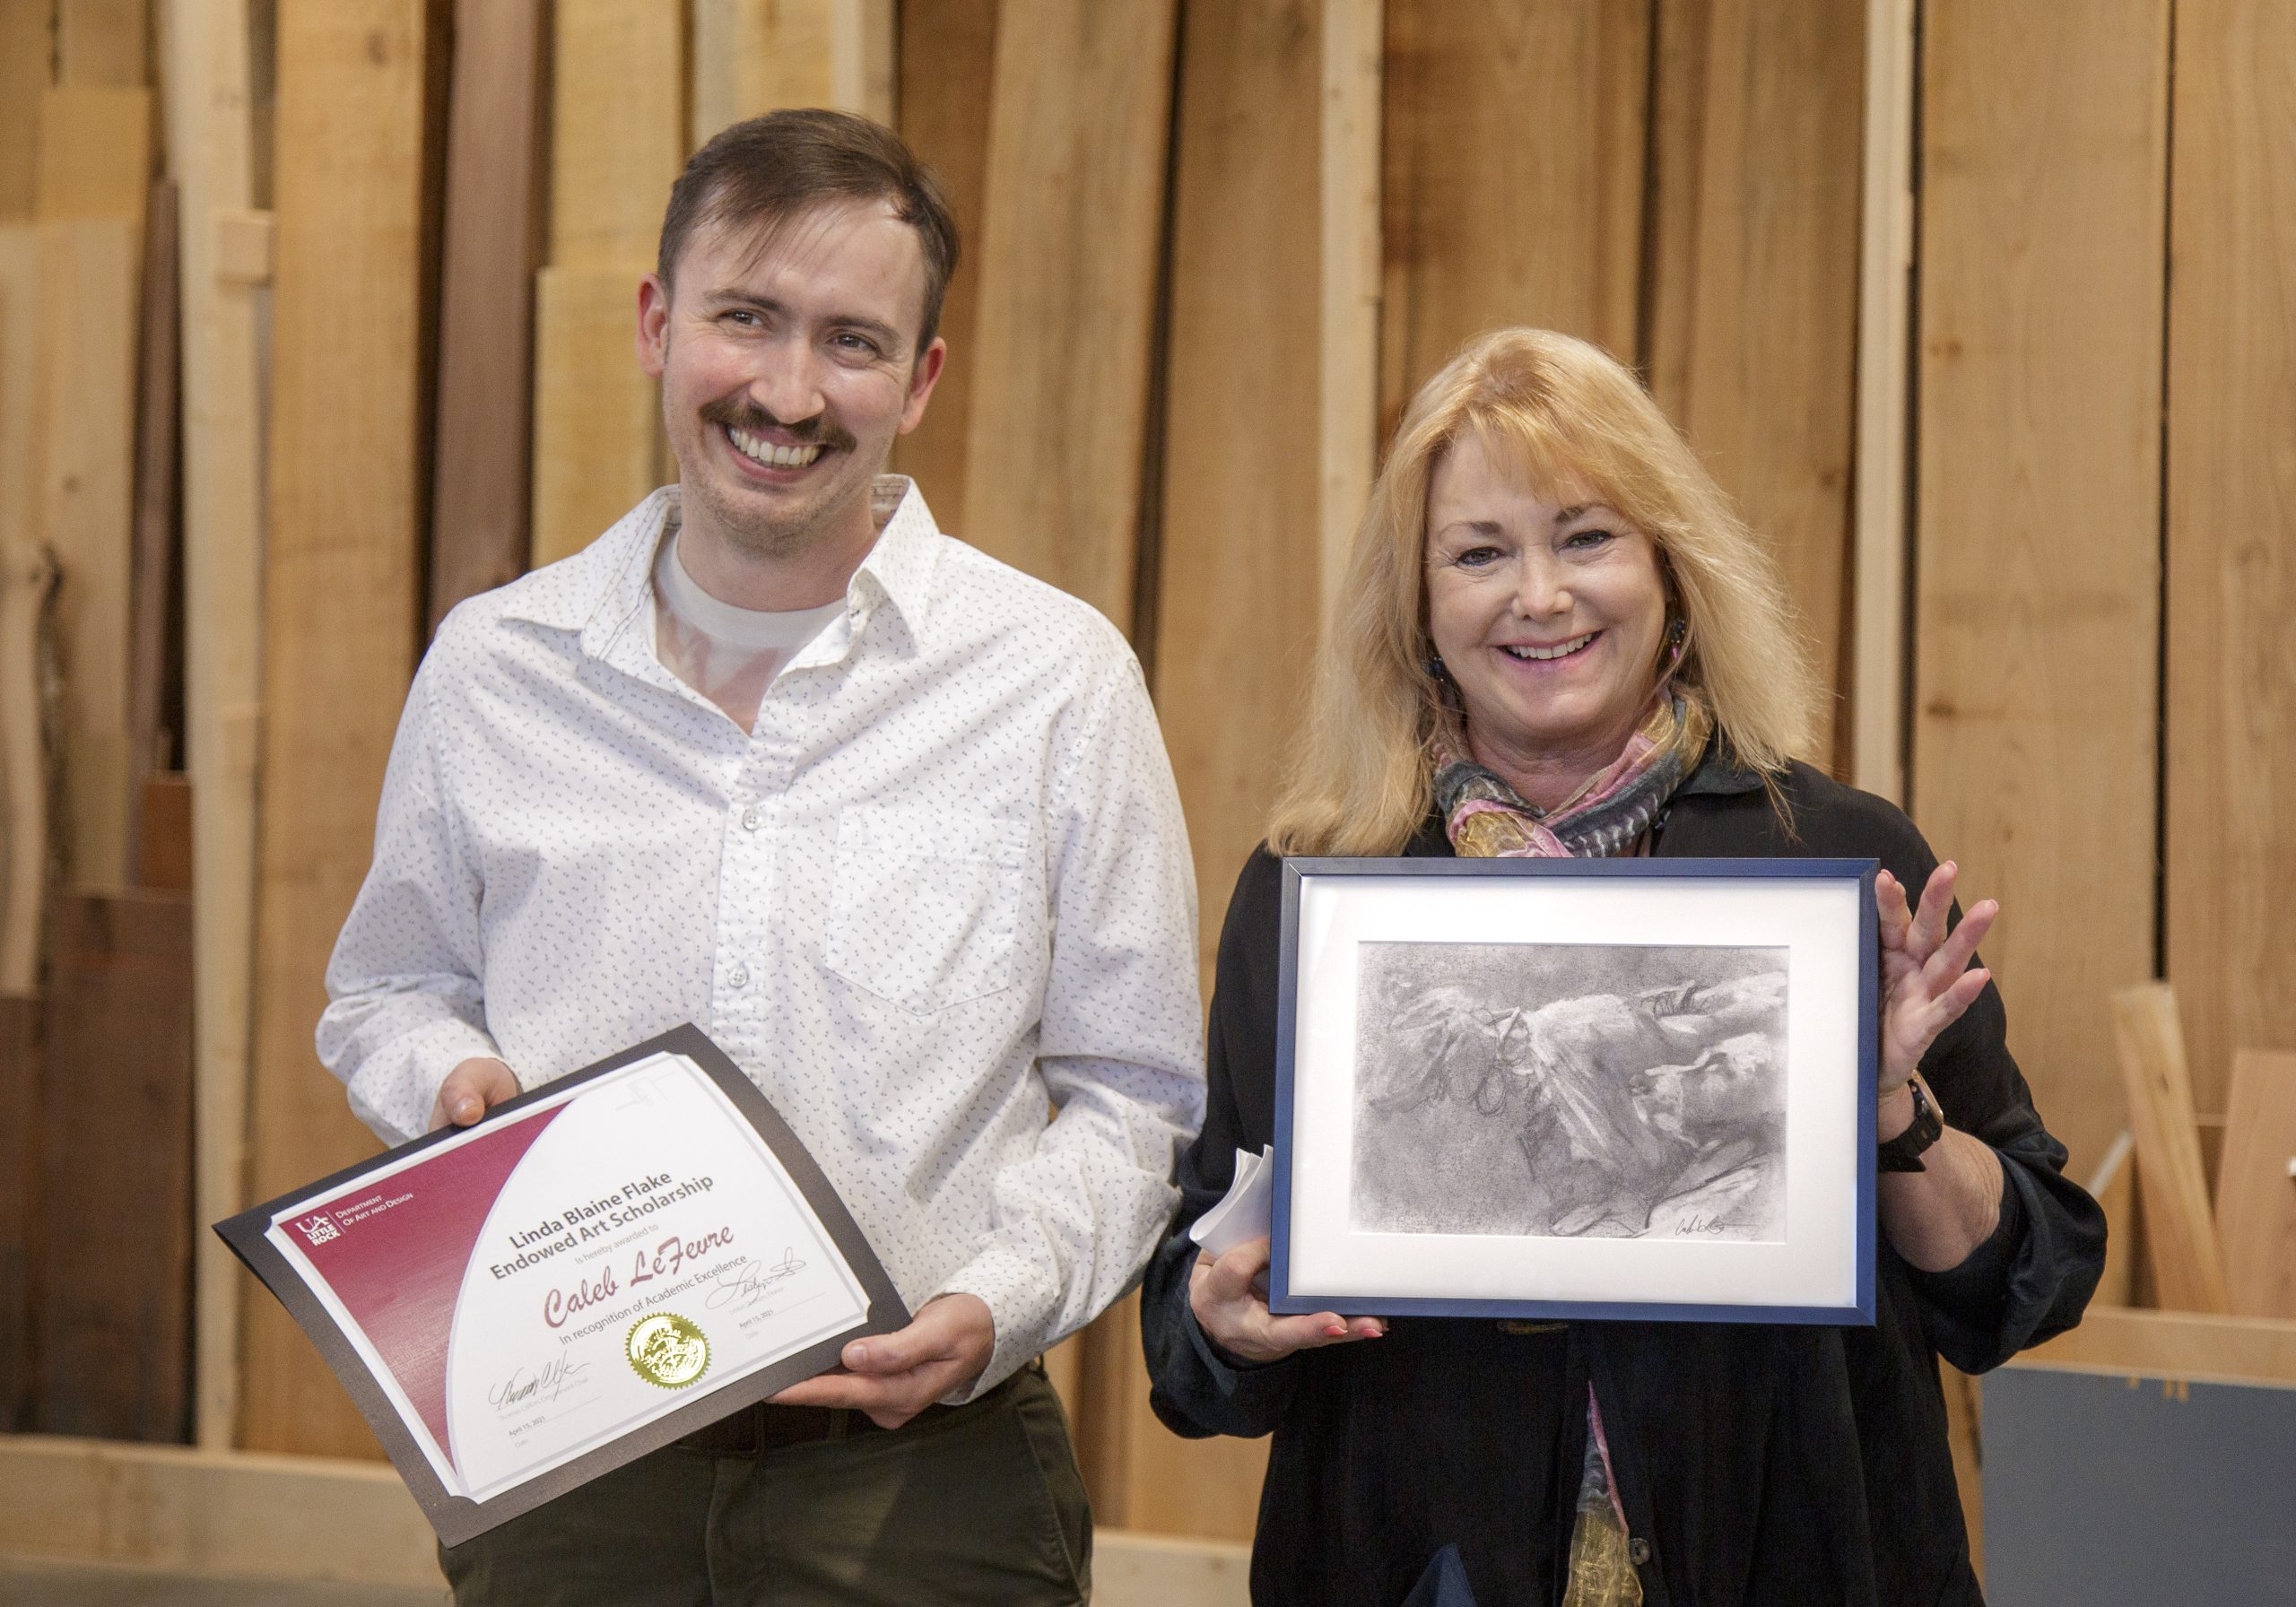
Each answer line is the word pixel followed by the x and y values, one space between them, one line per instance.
pixel 1228 1297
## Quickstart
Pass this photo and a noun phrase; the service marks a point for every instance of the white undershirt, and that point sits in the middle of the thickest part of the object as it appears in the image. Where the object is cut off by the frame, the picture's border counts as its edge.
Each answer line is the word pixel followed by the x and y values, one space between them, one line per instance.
pixel 728 654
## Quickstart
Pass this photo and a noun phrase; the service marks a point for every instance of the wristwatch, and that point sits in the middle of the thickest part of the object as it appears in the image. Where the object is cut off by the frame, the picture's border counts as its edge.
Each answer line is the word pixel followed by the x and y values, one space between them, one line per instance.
pixel 1903 1153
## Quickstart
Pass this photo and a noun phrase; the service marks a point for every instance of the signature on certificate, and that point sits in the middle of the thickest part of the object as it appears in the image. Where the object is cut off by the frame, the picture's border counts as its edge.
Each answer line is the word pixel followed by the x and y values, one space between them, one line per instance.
pixel 745 1283
pixel 527 1386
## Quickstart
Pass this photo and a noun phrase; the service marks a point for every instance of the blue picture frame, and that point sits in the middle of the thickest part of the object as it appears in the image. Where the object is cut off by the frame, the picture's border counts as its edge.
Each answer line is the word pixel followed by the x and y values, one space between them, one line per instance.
pixel 1858 1311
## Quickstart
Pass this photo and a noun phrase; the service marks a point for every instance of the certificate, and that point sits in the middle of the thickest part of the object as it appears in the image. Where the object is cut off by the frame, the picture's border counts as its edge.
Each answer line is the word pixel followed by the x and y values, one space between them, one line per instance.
pixel 596 1268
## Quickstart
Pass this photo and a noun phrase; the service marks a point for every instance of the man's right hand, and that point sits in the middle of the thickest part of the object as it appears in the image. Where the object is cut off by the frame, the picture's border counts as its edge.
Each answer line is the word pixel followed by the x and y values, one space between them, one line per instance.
pixel 471 1089
pixel 1225 1294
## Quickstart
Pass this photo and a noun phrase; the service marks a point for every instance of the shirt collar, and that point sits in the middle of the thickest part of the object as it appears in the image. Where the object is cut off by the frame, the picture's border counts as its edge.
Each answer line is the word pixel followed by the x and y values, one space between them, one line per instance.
pixel 602 588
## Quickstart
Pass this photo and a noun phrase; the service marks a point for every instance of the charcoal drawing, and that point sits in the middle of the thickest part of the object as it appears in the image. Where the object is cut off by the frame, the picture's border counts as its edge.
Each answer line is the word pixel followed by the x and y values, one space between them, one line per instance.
pixel 1572 1090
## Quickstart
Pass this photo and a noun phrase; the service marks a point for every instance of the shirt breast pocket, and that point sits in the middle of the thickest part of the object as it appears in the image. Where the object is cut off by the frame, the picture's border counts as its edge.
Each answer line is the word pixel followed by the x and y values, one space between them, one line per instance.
pixel 925 906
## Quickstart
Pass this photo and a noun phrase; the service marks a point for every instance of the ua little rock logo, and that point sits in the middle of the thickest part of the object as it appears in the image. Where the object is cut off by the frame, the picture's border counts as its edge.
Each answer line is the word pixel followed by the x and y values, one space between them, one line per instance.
pixel 317 1229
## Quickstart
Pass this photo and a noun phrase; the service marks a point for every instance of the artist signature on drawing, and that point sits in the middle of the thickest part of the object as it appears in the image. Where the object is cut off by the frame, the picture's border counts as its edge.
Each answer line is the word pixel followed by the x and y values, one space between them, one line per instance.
pixel 743 1284
pixel 527 1386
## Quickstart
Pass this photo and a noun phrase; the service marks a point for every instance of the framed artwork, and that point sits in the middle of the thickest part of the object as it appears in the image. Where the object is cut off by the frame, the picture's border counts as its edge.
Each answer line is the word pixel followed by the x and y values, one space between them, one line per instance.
pixel 1577 1087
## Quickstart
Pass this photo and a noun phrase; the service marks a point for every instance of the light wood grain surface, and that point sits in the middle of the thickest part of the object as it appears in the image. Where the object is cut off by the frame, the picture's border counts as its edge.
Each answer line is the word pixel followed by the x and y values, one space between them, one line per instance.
pixel 2176 1344
pixel 2232 533
pixel 618 129
pixel 948 67
pixel 210 132
pixel 2180 1231
pixel 1753 341
pixel 1515 163
pixel 26 47
pixel 2256 1191
pixel 102 42
pixel 1073 218
pixel 597 417
pixel 89 288
pixel 342 612
pixel 492 241
pixel 2041 286
pixel 95 152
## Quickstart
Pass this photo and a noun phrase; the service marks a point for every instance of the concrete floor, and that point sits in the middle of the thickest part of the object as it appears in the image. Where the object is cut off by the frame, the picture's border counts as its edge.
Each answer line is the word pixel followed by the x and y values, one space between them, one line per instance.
pixel 27 1584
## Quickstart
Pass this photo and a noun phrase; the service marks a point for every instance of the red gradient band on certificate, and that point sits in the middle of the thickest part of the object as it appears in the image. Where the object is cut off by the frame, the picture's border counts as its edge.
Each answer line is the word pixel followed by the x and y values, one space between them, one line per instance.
pixel 525 1300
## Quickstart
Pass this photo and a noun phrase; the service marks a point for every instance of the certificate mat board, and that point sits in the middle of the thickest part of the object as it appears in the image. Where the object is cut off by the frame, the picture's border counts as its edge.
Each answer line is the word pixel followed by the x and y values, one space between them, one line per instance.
pixel 1618 1089
pixel 599 1267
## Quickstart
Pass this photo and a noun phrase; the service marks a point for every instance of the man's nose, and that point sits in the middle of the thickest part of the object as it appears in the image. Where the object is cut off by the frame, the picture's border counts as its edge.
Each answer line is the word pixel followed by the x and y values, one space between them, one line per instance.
pixel 787 383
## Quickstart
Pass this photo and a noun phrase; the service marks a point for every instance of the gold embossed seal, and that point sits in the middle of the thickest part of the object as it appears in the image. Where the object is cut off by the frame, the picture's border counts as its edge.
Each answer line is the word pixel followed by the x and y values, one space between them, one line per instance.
pixel 667 1350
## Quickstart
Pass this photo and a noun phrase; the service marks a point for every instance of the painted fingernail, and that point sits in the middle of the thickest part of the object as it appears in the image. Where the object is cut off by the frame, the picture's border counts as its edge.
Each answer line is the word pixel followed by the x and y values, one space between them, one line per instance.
pixel 1337 1331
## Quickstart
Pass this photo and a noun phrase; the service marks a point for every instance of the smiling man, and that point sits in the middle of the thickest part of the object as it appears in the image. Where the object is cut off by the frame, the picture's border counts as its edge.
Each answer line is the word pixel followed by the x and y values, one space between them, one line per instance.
pixel 888 820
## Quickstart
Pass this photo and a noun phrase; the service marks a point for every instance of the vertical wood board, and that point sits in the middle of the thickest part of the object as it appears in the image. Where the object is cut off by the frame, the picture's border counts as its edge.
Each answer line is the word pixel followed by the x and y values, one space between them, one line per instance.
pixel 2230 719
pixel 618 128
pixel 1349 277
pixel 948 57
pixel 754 57
pixel 19 1170
pixel 2256 1191
pixel 1242 546
pixel 2180 1232
pixel 1751 349
pixel 1074 221
pixel 151 599
pixel 2044 155
pixel 27 46
pixel 211 137
pixel 103 41
pixel 27 586
pixel 596 413
pixel 1513 152
pixel 1877 721
pixel 340 604
pixel 95 152
pixel 111 1310
pixel 88 285
pixel 479 535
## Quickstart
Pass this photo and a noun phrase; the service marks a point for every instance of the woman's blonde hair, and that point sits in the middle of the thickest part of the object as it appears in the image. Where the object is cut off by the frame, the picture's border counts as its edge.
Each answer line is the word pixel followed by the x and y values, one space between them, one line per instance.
pixel 1575 420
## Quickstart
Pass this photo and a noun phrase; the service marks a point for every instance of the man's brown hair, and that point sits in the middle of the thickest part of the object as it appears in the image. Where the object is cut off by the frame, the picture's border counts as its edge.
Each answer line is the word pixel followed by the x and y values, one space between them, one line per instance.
pixel 762 173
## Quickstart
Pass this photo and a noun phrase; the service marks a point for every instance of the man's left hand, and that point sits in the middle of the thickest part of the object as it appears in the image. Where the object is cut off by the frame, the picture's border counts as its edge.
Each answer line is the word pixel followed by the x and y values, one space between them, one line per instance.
pixel 893 1376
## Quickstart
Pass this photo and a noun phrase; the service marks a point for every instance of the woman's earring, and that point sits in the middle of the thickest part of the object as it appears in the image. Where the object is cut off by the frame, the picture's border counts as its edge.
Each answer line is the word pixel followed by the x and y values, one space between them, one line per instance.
pixel 1677 633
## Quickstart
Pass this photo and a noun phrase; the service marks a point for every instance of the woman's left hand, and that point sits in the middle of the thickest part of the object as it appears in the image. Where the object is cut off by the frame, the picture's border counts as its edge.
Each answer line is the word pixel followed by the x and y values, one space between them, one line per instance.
pixel 1926 980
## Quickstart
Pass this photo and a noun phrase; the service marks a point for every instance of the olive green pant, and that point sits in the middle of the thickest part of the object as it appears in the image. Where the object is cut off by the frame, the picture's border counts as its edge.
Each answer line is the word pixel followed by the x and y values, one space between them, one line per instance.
pixel 978 1504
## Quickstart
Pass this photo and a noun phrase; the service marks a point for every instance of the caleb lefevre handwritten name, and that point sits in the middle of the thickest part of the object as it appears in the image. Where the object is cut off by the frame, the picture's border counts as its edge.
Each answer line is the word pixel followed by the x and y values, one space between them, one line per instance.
pixel 663 1261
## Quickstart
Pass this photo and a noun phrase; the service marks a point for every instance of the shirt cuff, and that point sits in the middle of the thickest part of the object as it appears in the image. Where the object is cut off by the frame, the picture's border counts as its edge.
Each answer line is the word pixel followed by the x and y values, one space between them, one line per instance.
pixel 1010 1286
pixel 396 1109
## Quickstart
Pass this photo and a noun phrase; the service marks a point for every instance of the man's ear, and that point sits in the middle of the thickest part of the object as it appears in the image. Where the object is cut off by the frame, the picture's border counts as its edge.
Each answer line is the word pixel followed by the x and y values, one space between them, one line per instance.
pixel 922 378
pixel 653 324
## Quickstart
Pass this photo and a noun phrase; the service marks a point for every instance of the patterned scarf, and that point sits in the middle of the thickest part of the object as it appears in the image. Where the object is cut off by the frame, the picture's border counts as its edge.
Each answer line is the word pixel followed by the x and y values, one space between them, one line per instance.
pixel 1487 818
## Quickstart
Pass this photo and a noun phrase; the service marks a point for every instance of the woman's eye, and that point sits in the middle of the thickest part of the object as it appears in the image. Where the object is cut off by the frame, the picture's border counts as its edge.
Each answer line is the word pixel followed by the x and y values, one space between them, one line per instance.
pixel 1478 558
pixel 1586 541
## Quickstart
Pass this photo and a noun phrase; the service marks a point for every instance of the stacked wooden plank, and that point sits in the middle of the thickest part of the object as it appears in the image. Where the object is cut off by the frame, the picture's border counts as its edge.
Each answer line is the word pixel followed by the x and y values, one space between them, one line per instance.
pixel 212 141
pixel 2230 715
pixel 1752 278
pixel 1071 231
pixel 618 133
pixel 2038 587
pixel 341 599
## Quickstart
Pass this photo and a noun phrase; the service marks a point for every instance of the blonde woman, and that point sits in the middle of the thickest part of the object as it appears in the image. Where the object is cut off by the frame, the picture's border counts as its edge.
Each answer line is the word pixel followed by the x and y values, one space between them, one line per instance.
pixel 1555 638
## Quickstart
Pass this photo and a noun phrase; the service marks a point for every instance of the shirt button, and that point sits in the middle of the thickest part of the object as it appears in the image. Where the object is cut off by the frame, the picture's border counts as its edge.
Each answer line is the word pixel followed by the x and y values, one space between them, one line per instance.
pixel 748 819
pixel 739 977
pixel 1638 1551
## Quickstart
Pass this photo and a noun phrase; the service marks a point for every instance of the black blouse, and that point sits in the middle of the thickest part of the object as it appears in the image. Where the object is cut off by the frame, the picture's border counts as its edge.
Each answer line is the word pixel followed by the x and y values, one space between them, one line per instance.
pixel 1764 1465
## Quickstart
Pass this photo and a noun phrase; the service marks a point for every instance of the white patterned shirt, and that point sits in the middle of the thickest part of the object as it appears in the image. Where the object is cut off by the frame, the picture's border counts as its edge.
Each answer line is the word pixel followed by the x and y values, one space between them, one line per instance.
pixel 943 882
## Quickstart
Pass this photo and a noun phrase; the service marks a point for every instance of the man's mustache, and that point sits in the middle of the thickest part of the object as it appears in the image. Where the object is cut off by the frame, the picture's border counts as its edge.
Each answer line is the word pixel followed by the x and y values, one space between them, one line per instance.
pixel 750 419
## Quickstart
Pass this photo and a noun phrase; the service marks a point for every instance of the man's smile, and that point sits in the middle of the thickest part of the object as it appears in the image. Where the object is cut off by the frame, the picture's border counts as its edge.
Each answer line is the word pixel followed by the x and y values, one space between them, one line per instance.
pixel 771 454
